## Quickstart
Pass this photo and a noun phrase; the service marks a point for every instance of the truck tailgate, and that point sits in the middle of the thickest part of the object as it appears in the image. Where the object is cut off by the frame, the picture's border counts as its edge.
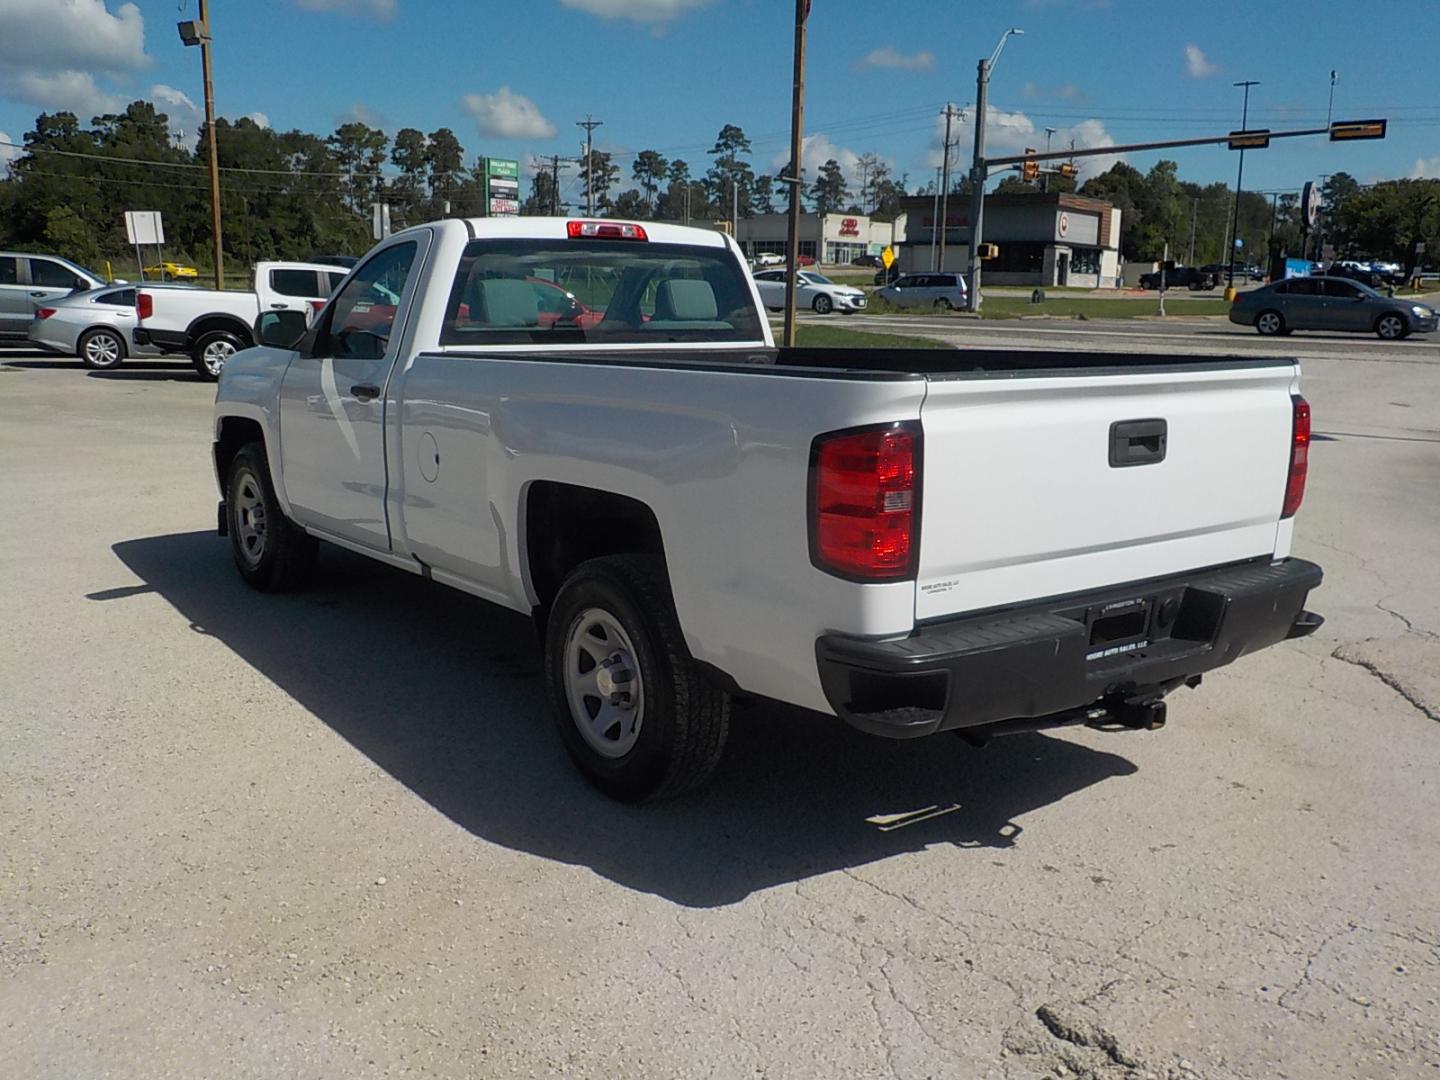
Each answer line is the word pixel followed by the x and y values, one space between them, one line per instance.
pixel 1024 497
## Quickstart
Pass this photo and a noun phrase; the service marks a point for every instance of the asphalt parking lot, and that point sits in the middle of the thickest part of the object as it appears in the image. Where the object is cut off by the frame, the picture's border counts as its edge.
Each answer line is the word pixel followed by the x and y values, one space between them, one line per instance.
pixel 333 833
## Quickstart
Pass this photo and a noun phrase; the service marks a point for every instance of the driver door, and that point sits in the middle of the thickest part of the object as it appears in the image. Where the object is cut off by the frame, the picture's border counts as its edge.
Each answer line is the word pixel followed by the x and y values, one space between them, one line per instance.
pixel 333 401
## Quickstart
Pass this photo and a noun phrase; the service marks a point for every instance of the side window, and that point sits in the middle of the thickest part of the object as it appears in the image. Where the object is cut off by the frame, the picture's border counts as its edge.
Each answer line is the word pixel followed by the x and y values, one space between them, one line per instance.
pixel 362 316
pixel 118 298
pixel 1342 290
pixel 333 280
pixel 1304 287
pixel 9 270
pixel 1281 288
pixel 293 282
pixel 51 275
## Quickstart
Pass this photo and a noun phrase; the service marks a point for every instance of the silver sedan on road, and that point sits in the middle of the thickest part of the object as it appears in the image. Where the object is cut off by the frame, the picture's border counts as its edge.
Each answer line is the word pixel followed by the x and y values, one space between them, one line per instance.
pixel 94 325
pixel 1323 302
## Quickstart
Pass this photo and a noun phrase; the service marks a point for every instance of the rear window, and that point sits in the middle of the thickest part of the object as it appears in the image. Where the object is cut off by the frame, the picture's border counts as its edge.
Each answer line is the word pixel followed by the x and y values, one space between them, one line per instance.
pixel 116 298
pixel 598 291
pixel 293 282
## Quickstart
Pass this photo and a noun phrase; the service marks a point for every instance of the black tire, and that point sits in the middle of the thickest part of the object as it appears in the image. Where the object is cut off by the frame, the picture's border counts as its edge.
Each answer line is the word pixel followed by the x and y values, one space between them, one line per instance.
pixel 1267 326
pixel 823 305
pixel 683 718
pixel 212 350
pixel 102 349
pixel 1392 327
pixel 286 553
pixel 943 304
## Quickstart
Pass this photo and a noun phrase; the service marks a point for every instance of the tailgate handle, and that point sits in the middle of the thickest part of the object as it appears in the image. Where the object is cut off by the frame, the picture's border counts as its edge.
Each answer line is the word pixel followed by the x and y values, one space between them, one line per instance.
pixel 1137 442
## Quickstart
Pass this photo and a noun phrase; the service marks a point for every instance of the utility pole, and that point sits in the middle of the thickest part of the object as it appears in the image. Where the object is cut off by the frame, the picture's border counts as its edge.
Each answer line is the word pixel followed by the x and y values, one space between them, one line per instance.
pixel 589 124
pixel 198 33
pixel 1330 109
pixel 735 208
pixel 555 162
pixel 978 169
pixel 1194 211
pixel 950 114
pixel 935 221
pixel 1045 177
pixel 797 150
pixel 1239 179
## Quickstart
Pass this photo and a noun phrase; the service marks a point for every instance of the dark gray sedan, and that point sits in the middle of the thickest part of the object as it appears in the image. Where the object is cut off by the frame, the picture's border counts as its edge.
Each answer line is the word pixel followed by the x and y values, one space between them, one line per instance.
pixel 1323 302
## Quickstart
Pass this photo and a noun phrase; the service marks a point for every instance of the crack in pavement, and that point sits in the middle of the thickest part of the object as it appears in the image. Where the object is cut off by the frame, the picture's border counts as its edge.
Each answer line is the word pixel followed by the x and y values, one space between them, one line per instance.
pixel 1078 1031
pixel 1392 681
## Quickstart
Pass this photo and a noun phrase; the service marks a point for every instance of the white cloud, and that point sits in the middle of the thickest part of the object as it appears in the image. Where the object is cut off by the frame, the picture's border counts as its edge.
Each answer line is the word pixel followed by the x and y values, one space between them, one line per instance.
pixel 1197 64
pixel 360 113
pixel 260 119
pixel 183 115
pixel 385 9
pixel 7 153
pixel 1008 133
pixel 642 11
pixel 818 149
pixel 890 57
pixel 1426 168
pixel 57 91
pixel 507 115
pixel 71 35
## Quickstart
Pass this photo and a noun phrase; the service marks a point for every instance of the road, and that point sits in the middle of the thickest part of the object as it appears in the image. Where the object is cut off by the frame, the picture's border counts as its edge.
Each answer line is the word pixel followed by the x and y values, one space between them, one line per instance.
pixel 334 834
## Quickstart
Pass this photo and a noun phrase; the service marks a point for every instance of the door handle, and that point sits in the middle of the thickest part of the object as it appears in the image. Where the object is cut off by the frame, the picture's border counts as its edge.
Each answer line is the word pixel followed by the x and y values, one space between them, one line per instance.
pixel 279 307
pixel 39 295
pixel 365 391
pixel 1137 442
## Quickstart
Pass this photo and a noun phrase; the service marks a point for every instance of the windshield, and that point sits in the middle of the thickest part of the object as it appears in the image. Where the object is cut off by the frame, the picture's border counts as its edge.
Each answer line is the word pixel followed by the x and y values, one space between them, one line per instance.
pixel 569 291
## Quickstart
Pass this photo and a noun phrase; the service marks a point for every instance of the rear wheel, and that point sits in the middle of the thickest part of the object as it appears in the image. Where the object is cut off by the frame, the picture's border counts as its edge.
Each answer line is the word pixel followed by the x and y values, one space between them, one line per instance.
pixel 823 305
pixel 212 350
pixel 943 304
pixel 634 712
pixel 1270 323
pixel 271 552
pixel 1391 327
pixel 101 349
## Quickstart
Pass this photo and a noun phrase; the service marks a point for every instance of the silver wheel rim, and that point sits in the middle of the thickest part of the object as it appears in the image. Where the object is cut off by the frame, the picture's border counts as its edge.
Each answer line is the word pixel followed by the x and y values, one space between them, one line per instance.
pixel 249 518
pixel 1390 327
pixel 1269 324
pixel 822 305
pixel 602 683
pixel 102 350
pixel 215 354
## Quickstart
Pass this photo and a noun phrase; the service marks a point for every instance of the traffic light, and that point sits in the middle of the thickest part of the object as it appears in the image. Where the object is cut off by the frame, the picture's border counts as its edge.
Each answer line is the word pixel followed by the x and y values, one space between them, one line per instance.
pixel 1031 169
pixel 1068 169
pixel 988 251
pixel 1346 130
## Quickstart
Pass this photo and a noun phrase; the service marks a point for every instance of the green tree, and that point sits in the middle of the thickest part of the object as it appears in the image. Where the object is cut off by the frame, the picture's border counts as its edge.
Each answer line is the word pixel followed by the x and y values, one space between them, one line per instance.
pixel 408 154
pixel 359 152
pixel 649 169
pixel 599 174
pixel 730 176
pixel 630 204
pixel 445 163
pixel 829 192
pixel 763 195
pixel 541 201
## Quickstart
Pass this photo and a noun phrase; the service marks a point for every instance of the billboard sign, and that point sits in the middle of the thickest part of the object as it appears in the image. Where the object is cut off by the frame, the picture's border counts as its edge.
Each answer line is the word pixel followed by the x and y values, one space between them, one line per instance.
pixel 144 227
pixel 502 187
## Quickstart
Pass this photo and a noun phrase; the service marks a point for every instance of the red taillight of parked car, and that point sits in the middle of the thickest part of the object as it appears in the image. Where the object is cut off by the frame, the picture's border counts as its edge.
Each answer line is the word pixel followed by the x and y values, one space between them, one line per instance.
pixel 865 502
pixel 1299 456
pixel 317 305
pixel 45 312
pixel 144 305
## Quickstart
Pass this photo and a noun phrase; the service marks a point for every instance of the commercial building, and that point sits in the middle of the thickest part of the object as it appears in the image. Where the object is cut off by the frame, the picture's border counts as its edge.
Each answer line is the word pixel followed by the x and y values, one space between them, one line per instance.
pixel 1044 239
pixel 827 238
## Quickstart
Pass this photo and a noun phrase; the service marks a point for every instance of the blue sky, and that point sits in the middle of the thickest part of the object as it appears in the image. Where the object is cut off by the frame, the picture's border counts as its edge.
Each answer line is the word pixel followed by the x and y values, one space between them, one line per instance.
pixel 512 78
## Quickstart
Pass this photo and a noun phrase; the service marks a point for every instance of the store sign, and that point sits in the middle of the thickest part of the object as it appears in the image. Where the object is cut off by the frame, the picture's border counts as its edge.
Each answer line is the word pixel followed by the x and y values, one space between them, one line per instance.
pixel 849 227
pixel 502 187
pixel 1309 204
pixel 1064 223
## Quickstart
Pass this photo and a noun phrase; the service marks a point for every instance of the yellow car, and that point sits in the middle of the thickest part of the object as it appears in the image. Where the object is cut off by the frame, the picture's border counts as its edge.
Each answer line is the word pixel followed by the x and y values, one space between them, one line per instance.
pixel 172 271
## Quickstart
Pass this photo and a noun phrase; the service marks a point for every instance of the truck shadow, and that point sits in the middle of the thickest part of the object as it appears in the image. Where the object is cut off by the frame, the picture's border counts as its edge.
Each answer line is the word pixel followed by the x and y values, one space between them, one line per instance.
pixel 444 693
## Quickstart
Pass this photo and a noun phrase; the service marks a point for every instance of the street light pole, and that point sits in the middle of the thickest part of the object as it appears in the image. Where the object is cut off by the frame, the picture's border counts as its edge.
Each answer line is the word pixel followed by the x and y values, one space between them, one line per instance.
pixel 1239 180
pixel 797 149
pixel 1045 178
pixel 978 168
pixel 197 32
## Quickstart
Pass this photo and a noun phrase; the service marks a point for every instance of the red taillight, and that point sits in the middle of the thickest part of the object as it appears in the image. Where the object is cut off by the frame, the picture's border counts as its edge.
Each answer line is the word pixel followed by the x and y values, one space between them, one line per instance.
pixel 864 503
pixel 144 305
pixel 604 230
pixel 318 305
pixel 44 312
pixel 1299 456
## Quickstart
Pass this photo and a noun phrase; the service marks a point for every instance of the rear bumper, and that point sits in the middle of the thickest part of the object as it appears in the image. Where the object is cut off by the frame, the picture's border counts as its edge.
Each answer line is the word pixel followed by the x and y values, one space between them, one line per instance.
pixel 1038 661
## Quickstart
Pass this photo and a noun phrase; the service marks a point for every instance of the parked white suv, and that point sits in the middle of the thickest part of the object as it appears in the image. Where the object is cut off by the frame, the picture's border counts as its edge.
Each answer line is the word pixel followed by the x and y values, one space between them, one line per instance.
pixel 945 291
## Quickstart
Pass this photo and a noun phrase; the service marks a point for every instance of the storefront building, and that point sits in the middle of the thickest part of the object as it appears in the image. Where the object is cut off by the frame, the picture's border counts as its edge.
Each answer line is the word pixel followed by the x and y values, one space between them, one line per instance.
pixel 1058 239
pixel 832 239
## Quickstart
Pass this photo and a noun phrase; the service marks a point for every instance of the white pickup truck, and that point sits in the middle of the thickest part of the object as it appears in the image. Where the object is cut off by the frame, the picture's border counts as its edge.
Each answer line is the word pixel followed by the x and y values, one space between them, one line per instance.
pixel 588 422
pixel 211 324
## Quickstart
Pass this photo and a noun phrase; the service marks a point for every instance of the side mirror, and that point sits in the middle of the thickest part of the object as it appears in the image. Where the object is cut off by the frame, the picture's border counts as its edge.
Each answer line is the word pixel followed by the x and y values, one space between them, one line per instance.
pixel 280 329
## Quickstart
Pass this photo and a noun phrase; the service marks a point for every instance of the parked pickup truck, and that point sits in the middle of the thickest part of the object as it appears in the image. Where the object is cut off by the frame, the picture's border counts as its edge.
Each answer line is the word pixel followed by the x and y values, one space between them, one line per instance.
pixel 211 324
pixel 1182 277
pixel 912 541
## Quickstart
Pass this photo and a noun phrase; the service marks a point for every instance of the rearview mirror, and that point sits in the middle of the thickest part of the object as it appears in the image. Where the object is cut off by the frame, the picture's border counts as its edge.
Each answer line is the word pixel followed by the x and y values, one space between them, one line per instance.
pixel 280 329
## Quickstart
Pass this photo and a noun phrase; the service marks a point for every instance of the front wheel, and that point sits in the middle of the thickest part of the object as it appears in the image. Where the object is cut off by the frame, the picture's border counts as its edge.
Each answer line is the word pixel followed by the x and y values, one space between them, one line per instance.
pixel 102 349
pixel 1270 323
pixel 1391 327
pixel 271 552
pixel 211 352
pixel 634 713
pixel 823 305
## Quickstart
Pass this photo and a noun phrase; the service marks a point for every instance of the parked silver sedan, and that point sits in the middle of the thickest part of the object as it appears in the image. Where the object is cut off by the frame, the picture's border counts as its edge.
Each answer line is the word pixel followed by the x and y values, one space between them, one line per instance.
pixel 1324 302
pixel 94 325
pixel 945 291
